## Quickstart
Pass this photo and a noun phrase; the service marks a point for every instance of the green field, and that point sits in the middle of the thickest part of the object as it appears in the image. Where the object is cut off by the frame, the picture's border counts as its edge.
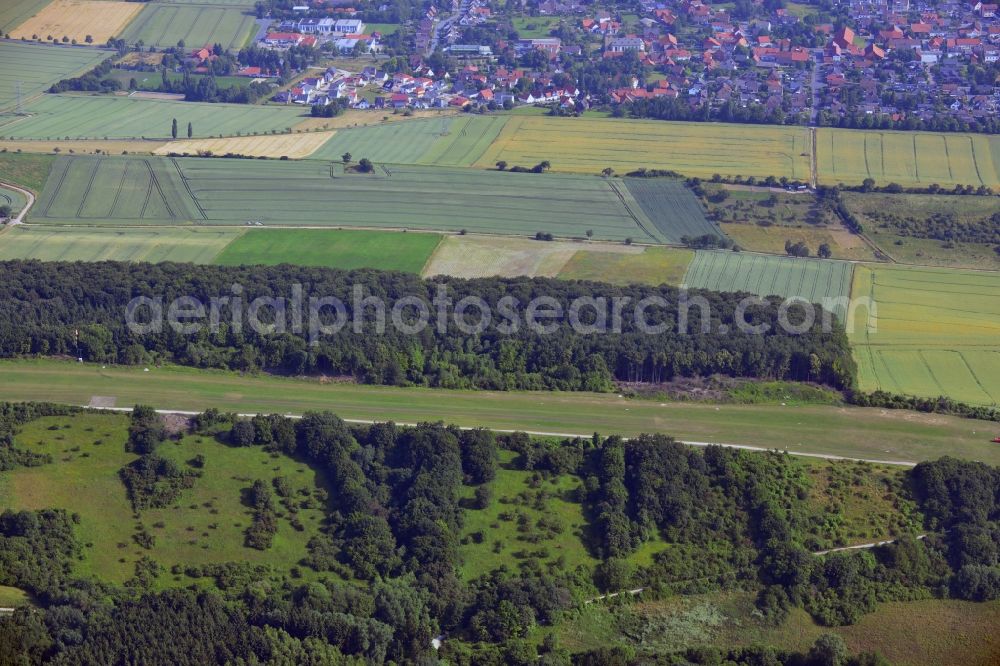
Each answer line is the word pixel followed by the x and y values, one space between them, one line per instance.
pixel 535 27
pixel 444 141
pixel 198 25
pixel 934 332
pixel 15 12
pixel 36 67
pixel 98 117
pixel 669 205
pixel 122 189
pixel 765 275
pixel 28 171
pixel 207 524
pixel 867 433
pixel 655 266
pixel 12 198
pixel 106 190
pixel 332 248
pixel 199 246
pixel 589 145
pixel 908 158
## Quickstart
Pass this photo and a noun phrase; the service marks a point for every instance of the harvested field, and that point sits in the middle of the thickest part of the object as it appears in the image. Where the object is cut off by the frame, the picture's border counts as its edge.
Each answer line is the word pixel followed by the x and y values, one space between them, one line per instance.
pixel 164 25
pixel 653 266
pixel 199 246
pixel 36 67
pixel 934 332
pixel 811 279
pixel 294 146
pixel 480 256
pixel 586 145
pixel 76 19
pixel 93 117
pixel 912 159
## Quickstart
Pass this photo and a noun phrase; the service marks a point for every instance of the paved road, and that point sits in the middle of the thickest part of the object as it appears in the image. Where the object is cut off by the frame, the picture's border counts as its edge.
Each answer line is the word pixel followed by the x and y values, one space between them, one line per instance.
pixel 262 29
pixel 29 198
pixel 542 433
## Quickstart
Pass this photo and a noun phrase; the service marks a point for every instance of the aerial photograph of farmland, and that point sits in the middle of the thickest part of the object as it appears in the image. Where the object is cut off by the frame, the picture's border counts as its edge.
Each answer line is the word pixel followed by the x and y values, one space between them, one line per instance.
pixel 474 332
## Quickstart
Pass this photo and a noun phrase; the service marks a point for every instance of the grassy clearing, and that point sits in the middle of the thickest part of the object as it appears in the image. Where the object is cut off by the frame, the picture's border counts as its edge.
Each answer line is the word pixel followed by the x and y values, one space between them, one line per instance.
pixel 535 27
pixel 76 19
pixel 907 158
pixel 586 145
pixel 771 240
pixel 332 248
pixel 28 171
pixel 811 279
pixel 205 526
pixel 294 146
pixel 100 117
pixel 12 198
pixel 165 24
pixel 653 266
pixel 867 433
pixel 200 246
pixel 36 67
pixel 491 537
pixel 873 210
pixel 934 332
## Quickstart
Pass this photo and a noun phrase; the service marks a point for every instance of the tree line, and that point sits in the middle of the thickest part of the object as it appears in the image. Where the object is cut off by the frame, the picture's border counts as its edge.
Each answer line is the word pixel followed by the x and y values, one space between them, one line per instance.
pixel 79 309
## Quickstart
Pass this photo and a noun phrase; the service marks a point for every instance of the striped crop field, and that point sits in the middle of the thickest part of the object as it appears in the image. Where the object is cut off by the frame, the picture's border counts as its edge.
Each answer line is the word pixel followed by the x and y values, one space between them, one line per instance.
pixel 180 244
pixel 164 25
pixel 156 190
pixel 77 19
pixel 36 67
pixel 92 117
pixel 669 204
pixel 444 141
pixel 587 145
pixel 931 332
pixel 768 275
pixel 911 159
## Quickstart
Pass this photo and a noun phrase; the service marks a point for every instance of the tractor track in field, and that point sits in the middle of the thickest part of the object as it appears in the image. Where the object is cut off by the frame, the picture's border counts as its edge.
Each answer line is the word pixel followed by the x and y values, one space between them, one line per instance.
pixel 86 192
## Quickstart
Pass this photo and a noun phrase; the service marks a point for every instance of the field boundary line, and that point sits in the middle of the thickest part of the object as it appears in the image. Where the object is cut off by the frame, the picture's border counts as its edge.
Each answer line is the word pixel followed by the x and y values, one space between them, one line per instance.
pixel 542 433
pixel 614 188
pixel 187 187
pixel 118 193
pixel 90 185
pixel 975 376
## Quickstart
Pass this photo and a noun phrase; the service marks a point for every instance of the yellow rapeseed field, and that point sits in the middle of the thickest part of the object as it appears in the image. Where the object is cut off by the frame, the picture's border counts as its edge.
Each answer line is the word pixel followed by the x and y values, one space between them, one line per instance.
pixel 76 19
pixel 293 146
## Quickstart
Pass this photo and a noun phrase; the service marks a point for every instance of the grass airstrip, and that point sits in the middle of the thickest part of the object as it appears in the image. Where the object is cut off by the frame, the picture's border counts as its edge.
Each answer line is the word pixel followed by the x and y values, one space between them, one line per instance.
pixel 855 432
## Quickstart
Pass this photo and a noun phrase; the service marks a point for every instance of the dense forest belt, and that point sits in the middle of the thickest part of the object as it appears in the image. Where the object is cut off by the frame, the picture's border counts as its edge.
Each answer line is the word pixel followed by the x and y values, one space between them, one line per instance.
pixel 540 333
pixel 484 539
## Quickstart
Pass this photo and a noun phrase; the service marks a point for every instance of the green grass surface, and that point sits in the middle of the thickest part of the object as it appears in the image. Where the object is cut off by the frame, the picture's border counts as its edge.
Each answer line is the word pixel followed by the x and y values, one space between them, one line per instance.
pixel 12 198
pixel 15 12
pixel 164 25
pixel 200 246
pixel 83 478
pixel 675 213
pixel 856 432
pixel 36 67
pixel 12 597
pixel 934 332
pixel 101 117
pixel 764 275
pixel 28 171
pixel 504 544
pixel 311 193
pixel 384 28
pixel 535 27
pixel 332 248
pixel 655 266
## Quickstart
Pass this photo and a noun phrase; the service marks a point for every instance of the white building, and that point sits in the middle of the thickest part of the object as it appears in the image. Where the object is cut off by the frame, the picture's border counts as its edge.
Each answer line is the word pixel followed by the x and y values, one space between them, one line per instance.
pixel 349 26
